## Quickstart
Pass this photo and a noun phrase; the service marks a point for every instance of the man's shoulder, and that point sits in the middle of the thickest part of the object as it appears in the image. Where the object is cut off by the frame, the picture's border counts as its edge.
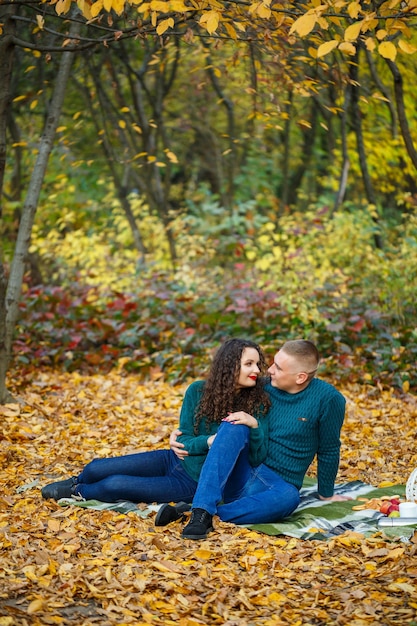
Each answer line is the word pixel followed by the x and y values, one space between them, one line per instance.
pixel 322 387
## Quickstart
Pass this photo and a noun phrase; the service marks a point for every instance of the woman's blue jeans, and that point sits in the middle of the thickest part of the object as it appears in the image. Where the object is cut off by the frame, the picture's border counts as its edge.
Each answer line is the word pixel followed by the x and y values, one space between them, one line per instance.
pixel 235 491
pixel 156 476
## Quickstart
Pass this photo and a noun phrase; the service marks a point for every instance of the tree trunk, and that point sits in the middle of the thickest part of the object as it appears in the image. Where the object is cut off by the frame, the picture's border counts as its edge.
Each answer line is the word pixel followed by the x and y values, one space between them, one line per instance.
pixel 384 90
pixel 231 157
pixel 6 60
pixel 357 125
pixel 345 155
pixel 285 191
pixel 151 96
pixel 10 305
pixel 402 116
pixel 120 178
pixel 306 149
pixel 5 396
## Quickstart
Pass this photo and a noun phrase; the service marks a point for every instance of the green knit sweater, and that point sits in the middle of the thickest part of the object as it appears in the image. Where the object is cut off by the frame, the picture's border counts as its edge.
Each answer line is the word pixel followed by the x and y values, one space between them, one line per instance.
pixel 196 445
pixel 301 426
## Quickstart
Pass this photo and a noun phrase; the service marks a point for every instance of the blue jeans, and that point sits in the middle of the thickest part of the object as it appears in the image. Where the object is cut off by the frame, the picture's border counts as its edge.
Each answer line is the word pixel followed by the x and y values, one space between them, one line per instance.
pixel 156 476
pixel 249 495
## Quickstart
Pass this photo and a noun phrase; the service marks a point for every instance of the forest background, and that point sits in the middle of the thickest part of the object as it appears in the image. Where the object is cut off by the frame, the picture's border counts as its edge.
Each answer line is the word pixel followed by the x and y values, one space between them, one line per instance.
pixel 207 171
pixel 173 174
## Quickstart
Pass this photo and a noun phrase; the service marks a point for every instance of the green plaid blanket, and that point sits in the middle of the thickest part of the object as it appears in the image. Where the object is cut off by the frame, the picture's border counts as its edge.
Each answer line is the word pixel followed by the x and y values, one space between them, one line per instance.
pixel 313 519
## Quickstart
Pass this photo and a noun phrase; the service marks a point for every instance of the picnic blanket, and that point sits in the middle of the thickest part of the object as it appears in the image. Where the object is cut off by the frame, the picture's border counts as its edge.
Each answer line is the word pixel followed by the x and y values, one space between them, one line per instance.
pixel 313 519
pixel 317 519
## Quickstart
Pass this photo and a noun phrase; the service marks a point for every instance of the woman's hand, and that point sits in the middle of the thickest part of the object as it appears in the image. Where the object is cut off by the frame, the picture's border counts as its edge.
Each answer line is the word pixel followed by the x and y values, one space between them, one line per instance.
pixel 177 447
pixel 240 417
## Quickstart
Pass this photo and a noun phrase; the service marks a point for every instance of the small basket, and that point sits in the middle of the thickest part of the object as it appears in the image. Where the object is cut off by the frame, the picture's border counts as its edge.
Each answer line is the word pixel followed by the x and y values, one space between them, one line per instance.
pixel 411 487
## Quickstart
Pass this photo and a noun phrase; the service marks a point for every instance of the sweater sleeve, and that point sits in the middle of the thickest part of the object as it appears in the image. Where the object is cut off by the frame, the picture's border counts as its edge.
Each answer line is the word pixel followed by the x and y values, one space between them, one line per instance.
pixel 258 442
pixel 194 444
pixel 328 453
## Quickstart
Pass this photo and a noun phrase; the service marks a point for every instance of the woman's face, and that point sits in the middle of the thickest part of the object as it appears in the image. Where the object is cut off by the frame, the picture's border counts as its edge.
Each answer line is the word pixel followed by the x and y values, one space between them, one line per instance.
pixel 249 368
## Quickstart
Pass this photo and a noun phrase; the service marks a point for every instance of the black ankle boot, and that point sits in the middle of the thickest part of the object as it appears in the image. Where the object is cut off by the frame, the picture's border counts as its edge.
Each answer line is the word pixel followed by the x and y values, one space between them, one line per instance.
pixel 200 524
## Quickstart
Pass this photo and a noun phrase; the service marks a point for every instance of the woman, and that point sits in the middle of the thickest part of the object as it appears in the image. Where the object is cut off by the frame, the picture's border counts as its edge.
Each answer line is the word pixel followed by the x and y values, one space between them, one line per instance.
pixel 232 387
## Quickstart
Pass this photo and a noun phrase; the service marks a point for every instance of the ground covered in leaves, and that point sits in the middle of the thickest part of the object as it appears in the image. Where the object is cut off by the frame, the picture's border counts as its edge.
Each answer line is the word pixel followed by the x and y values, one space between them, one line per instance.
pixel 67 565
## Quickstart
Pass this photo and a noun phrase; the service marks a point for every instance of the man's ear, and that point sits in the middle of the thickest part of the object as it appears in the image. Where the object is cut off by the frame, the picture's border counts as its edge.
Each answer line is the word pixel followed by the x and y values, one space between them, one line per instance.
pixel 301 378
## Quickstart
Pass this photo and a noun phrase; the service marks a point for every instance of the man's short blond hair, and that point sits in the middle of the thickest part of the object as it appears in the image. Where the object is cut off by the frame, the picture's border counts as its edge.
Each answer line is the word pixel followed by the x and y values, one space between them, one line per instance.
pixel 304 352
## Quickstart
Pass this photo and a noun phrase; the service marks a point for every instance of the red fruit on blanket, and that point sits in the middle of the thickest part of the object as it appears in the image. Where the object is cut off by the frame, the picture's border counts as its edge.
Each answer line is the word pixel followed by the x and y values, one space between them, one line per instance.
pixel 385 506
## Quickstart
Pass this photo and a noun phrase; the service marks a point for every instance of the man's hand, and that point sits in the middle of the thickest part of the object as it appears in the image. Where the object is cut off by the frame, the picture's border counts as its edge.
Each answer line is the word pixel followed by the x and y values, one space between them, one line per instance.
pixel 240 417
pixel 335 498
pixel 177 447
pixel 210 441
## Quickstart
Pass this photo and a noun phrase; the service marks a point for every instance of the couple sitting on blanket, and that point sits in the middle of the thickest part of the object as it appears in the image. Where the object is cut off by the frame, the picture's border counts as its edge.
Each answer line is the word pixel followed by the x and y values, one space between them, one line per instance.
pixel 243 445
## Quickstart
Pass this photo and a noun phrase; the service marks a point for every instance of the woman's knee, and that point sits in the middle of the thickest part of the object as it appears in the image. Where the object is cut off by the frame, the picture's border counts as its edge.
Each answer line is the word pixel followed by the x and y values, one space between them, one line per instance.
pixel 237 431
pixel 91 471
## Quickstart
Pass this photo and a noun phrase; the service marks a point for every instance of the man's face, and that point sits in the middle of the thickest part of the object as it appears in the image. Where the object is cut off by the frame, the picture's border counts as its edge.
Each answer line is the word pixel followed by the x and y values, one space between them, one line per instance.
pixel 284 372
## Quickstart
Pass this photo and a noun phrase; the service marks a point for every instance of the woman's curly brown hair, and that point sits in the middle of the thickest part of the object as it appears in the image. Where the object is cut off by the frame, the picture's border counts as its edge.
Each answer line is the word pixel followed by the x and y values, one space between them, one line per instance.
pixel 221 395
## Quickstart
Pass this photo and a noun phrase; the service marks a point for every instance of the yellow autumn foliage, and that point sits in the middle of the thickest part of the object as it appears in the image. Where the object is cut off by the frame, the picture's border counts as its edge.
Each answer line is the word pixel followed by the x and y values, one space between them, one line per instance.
pixel 105 567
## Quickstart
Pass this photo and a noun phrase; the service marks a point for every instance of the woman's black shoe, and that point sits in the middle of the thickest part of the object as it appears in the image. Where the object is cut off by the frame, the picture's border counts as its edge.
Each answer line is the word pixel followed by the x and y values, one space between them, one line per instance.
pixel 60 489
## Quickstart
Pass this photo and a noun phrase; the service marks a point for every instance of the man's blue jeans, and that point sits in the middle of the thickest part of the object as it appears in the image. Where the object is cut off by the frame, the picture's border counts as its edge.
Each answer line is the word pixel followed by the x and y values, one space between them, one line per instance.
pixel 249 495
pixel 156 476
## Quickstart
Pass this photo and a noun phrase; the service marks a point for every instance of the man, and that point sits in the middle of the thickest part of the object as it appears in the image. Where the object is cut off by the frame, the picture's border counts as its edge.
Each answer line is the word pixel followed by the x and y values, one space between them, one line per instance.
pixel 305 420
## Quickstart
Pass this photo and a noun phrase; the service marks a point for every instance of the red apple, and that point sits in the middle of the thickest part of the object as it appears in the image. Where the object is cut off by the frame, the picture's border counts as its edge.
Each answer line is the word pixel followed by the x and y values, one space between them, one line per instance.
pixel 395 501
pixel 393 507
pixel 384 507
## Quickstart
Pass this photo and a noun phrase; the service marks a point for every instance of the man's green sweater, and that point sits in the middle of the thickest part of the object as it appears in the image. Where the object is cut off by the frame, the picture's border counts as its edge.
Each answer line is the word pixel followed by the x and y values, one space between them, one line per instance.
pixel 196 445
pixel 302 425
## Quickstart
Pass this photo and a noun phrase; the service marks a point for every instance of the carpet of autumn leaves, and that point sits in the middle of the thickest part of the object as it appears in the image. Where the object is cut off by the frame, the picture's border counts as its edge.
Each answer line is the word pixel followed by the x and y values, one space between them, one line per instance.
pixel 68 565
